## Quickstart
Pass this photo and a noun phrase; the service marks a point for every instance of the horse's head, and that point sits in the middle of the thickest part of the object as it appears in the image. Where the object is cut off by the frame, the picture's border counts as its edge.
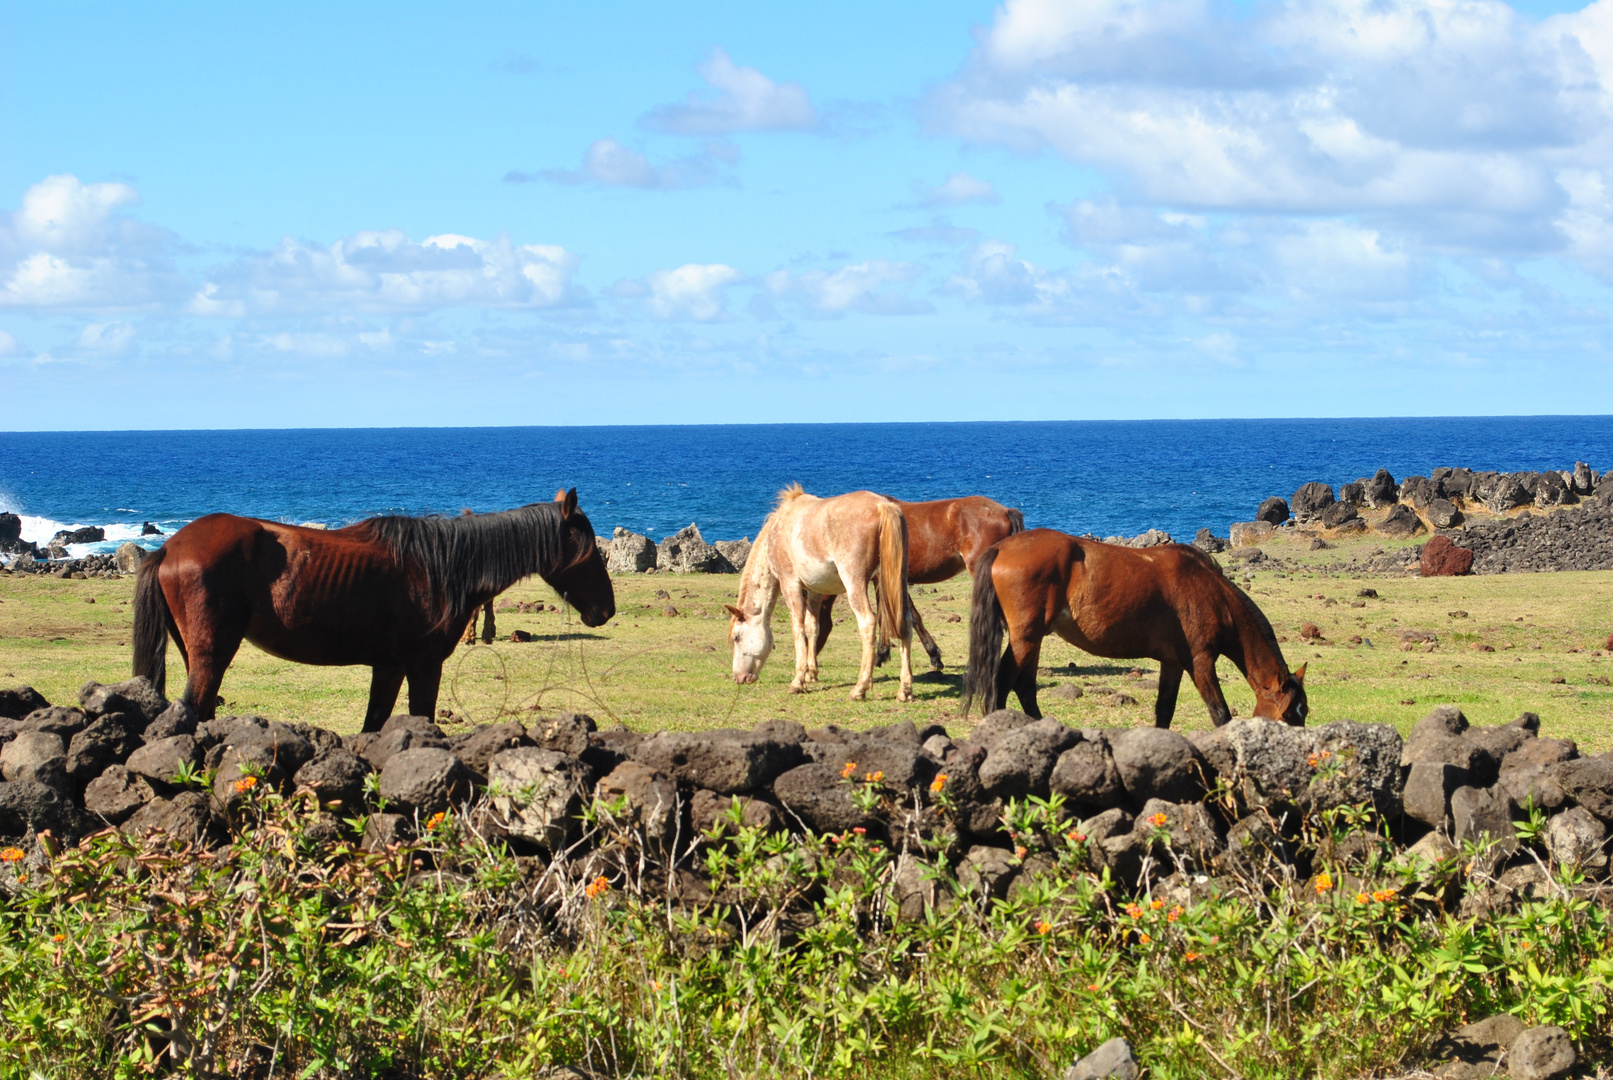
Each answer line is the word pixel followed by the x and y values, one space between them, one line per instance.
pixel 752 637
pixel 581 579
pixel 1287 702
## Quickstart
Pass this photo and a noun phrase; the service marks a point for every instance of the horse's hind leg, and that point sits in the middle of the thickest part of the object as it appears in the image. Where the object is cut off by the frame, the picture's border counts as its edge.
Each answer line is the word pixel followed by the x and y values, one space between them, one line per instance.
pixel 924 636
pixel 385 682
pixel 1170 681
pixel 211 637
pixel 1209 687
pixel 825 622
pixel 1025 657
pixel 424 681
pixel 488 633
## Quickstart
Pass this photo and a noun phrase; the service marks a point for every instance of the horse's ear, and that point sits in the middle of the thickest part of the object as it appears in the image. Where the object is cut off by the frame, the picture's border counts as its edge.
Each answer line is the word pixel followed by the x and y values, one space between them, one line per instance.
pixel 735 612
pixel 1299 676
pixel 567 501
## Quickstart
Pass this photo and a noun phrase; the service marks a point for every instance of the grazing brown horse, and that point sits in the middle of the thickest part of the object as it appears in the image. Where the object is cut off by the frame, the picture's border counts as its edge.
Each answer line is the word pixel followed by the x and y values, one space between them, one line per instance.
pixel 811 547
pixel 945 537
pixel 392 593
pixel 1169 603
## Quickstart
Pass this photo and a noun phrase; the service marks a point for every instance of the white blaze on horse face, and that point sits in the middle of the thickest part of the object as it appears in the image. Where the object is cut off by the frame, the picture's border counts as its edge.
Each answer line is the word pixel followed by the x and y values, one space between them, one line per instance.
pixel 752 638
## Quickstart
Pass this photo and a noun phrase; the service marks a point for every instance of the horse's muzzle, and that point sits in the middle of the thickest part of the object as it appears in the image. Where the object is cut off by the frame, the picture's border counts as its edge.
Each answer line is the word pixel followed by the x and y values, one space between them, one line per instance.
pixel 742 679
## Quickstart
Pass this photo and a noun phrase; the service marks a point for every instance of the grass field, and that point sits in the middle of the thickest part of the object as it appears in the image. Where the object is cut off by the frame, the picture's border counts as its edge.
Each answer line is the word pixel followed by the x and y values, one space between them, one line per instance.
pixel 650 668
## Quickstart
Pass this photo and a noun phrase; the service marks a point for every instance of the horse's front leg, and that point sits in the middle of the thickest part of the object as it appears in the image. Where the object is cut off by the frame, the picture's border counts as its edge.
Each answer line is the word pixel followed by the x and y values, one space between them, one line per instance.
pixel 385 682
pixel 425 680
pixel 1170 681
pixel 1209 687
pixel 796 599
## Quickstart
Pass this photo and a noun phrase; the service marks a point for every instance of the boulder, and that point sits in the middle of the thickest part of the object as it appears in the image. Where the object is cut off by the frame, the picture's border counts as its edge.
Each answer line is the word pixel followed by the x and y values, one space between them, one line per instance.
pixel 994 726
pixel 36 757
pixel 1336 515
pixel 1584 482
pixel 1155 763
pixel 1382 490
pixel 819 797
pixel 1274 511
pixel 1478 1045
pixel 1190 828
pixel 185 820
pixel 10 530
pixel 1550 491
pixel 987 871
pixel 569 733
pixel 1576 839
pixel 1019 763
pixel 1503 493
pixel 1250 533
pixel 59 720
pixel 177 719
pixel 1401 522
pixel 99 745
pixel 424 782
pixel 1443 514
pixel 1420 491
pixel 1086 776
pixel 686 552
pixel 648 801
pixel 915 888
pixel 1589 783
pixel 1428 791
pixel 408 733
pixel 709 813
pixel 1310 500
pixel 727 762
pixel 536 794
pixel 129 556
pixel 737 552
pixel 1483 815
pixel 19 701
pixel 630 553
pixel 240 770
pixel 115 794
pixel 1542 1053
pixel 1253 847
pixel 27 806
pixel 165 760
pixel 476 748
pixel 89 534
pixel 1442 558
pixel 1111 1061
pixel 135 695
pixel 335 776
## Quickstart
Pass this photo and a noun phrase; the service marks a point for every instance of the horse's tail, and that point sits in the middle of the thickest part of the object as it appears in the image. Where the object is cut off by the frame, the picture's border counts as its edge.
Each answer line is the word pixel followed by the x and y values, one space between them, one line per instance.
pixel 151 618
pixel 892 585
pixel 986 624
pixel 1016 521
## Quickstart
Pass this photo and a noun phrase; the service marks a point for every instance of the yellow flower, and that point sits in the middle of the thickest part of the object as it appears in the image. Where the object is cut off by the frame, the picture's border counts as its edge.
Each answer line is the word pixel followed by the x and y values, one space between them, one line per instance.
pixel 849 771
pixel 597 886
pixel 1159 820
pixel 939 783
pixel 1324 882
pixel 12 854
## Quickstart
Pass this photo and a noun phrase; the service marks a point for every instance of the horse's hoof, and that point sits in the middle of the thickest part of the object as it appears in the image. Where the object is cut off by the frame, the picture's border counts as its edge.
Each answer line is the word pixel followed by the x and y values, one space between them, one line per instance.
pixel 904 695
pixel 796 688
pixel 858 695
pixel 936 665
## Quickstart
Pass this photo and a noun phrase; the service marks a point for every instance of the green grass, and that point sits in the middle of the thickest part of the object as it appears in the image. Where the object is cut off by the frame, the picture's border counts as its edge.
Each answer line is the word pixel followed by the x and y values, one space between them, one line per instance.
pixel 649 669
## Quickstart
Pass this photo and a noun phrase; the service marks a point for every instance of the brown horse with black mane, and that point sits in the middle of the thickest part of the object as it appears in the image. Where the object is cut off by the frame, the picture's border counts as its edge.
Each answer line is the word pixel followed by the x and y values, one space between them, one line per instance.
pixel 392 593
pixel 945 537
pixel 1169 603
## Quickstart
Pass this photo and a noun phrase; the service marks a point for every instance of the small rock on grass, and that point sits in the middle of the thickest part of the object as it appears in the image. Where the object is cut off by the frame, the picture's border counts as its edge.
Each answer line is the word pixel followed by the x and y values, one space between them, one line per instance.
pixel 1111 1061
pixel 1541 1053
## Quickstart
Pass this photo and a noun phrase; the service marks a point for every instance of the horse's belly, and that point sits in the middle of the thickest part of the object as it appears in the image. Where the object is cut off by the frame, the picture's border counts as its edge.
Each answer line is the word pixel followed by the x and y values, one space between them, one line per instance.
pixel 1066 627
pixel 821 576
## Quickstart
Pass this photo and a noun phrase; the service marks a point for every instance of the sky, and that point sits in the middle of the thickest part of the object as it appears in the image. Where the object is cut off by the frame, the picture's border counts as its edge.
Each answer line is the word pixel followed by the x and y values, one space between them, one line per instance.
pixel 296 215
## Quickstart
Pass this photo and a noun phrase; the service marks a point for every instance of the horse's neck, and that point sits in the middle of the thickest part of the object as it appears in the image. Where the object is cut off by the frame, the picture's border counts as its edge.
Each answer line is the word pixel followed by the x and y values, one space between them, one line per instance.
pixel 1256 655
pixel 759 585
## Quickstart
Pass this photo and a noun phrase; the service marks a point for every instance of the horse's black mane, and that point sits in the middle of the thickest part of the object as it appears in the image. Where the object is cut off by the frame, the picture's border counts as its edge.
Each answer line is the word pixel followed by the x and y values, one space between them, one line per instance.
pixel 476 555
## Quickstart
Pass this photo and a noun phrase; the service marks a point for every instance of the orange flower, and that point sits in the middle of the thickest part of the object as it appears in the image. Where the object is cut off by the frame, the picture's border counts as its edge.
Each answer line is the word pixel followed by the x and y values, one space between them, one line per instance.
pixel 1190 956
pixel 1324 882
pixel 1093 987
pixel 1174 913
pixel 1043 927
pixel 939 783
pixel 1144 939
pixel 245 784
pixel 849 771
pixel 435 819
pixel 1134 911
pixel 1077 838
pixel 859 830
pixel 58 937
pixel 1155 905
pixel 597 886
pixel 1021 851
pixel 12 854
pixel 875 777
pixel 1159 820
pixel 1526 945
pixel 1362 898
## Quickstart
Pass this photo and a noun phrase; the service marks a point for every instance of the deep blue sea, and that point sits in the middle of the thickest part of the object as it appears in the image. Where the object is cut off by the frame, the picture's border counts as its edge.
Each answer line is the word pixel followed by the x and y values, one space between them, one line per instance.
pixel 1100 477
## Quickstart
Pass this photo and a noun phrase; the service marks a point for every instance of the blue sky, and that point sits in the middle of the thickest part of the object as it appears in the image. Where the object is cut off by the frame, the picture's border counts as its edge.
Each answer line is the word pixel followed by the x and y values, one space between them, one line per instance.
pixel 287 215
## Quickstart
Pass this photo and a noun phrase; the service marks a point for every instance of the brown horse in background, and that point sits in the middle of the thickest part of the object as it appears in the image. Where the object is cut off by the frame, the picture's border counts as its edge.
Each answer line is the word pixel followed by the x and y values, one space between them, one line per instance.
pixel 811 547
pixel 392 593
pixel 945 537
pixel 1169 603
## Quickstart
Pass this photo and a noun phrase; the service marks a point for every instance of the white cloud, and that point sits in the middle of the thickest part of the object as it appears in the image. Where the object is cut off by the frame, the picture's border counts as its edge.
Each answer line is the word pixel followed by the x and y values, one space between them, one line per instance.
pixel 384 270
pixel 67 245
pixel 9 345
pixel 105 339
pixel 744 100
pixel 1449 121
pixel 692 291
pixel 612 164
pixel 960 188
pixel 861 287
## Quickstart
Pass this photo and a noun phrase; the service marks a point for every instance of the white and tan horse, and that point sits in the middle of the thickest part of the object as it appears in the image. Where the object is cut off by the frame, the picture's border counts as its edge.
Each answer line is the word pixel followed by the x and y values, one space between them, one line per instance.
pixel 809 548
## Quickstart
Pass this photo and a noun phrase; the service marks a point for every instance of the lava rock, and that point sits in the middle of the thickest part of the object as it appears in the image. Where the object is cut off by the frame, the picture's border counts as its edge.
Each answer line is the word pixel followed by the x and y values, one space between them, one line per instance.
pixel 185 820
pixel 165 760
pixel 630 553
pixel 1443 514
pixel 336 776
pixel 104 742
pixel 1274 510
pixel 1382 490
pixel 1576 839
pixel 816 794
pixel 1542 1053
pixel 1589 782
pixel 476 748
pixel 177 719
pixel 686 552
pixel 1429 787
pixel 1483 815
pixel 398 734
pixel 35 756
pixel 1442 558
pixel 709 813
pixel 1086 776
pixel 1401 522
pixel 987 871
pixel 27 806
pixel 1019 763
pixel 1310 500
pixel 569 733
pixel 1111 1061
pixel 649 801
pixel 55 720
pixel 1156 764
pixel 135 695
pixel 116 794
pixel 424 782
pixel 19 701
pixel 537 794
pixel 129 556
pixel 727 762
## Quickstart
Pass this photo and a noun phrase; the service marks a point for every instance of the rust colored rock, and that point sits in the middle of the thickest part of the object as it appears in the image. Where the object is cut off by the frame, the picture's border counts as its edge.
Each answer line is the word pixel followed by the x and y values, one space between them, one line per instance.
pixel 1442 558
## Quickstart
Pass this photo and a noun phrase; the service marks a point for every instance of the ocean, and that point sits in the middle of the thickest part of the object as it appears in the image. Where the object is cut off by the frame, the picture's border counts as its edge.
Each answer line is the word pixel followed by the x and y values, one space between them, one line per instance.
pixel 1099 477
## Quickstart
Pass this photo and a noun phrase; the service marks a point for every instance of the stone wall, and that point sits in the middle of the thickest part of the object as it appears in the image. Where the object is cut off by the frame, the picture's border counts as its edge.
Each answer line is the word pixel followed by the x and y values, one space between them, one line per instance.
pixel 1155 808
